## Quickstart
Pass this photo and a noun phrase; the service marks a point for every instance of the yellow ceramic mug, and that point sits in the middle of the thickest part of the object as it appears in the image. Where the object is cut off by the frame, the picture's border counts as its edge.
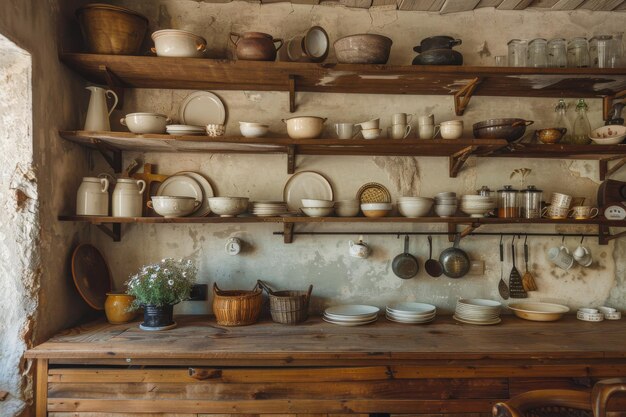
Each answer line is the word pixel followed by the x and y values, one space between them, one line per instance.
pixel 116 308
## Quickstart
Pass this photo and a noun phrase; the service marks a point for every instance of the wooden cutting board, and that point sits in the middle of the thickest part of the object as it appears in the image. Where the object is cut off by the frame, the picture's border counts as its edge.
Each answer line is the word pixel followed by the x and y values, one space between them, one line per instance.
pixel 152 183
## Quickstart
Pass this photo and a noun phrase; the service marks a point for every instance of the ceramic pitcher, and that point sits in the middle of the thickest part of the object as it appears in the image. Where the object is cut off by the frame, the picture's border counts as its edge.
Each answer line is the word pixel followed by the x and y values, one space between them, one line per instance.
pixel 127 197
pixel 97 112
pixel 92 198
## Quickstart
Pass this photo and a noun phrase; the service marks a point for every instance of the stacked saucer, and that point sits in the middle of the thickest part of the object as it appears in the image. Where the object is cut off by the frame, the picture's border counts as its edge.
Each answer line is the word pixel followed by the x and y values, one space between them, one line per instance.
pixel 410 313
pixel 183 130
pixel 446 204
pixel 477 311
pixel 351 315
pixel 268 208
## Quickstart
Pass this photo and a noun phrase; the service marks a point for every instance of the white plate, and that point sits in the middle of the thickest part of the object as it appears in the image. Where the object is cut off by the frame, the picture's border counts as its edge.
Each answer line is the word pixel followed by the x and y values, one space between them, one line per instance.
pixel 207 191
pixel 390 318
pixel 477 322
pixel 306 184
pixel 344 323
pixel 410 316
pixel 412 308
pixel 353 310
pixel 201 108
pixel 350 318
pixel 479 302
pixel 181 186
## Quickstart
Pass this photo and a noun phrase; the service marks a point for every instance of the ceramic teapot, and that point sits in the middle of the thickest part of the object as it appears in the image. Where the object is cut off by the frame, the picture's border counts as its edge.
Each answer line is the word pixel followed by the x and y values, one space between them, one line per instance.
pixel 359 249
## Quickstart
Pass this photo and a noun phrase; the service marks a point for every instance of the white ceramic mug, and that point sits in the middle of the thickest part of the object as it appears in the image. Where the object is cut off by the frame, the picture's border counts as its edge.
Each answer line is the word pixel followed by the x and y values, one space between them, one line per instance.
pixel 92 197
pixel 370 124
pixel 401 119
pixel 582 255
pixel 561 200
pixel 359 249
pixel 583 212
pixel 426 131
pixel 398 131
pixel 127 198
pixel 561 257
pixel 428 119
pixel 346 130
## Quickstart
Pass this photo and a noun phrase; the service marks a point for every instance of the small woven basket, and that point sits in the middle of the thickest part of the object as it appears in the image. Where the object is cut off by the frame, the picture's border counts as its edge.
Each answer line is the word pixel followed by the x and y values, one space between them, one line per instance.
pixel 288 307
pixel 236 307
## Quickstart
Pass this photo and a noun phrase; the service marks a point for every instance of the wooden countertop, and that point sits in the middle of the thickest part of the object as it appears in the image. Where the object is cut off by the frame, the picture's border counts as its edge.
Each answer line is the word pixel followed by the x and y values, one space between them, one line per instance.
pixel 198 339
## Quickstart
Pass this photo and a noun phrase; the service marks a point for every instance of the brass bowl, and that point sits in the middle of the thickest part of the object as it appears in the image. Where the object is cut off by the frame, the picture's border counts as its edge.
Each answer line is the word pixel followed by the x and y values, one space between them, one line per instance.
pixel 550 135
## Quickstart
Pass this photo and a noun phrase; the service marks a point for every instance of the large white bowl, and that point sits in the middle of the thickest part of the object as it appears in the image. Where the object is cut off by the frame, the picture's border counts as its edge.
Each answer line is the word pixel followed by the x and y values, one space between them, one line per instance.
pixel 170 206
pixel 608 135
pixel 178 44
pixel 145 122
pixel 445 210
pixel 317 211
pixel 376 209
pixel 417 208
pixel 304 127
pixel 228 206
pixel 310 202
pixel 253 130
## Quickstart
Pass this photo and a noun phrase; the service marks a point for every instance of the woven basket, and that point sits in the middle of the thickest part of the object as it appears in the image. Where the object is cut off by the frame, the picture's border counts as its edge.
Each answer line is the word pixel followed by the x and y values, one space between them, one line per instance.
pixel 288 307
pixel 235 307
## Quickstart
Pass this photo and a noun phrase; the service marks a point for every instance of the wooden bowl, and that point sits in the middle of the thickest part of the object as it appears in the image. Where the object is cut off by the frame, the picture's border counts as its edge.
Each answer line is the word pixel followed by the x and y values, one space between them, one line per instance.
pixel 536 311
pixel 112 30
pixel 363 49
pixel 550 135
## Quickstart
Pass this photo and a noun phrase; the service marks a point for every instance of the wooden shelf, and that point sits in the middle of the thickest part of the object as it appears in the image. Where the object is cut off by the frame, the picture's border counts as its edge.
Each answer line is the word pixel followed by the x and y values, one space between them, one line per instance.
pixel 461 81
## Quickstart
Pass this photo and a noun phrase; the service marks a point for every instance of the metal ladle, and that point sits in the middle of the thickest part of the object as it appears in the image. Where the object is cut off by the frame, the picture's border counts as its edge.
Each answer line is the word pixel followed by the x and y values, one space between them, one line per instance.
pixel 432 266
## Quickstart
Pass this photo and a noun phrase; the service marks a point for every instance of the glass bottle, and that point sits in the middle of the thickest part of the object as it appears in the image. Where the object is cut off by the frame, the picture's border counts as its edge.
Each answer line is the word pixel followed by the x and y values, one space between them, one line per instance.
pixel 518 51
pixel 561 120
pixel 537 53
pixel 582 128
pixel 508 206
pixel 578 53
pixel 531 202
pixel 557 53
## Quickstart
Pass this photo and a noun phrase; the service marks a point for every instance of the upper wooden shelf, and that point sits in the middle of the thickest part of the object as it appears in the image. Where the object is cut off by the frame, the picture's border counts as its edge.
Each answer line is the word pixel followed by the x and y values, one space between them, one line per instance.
pixel 461 81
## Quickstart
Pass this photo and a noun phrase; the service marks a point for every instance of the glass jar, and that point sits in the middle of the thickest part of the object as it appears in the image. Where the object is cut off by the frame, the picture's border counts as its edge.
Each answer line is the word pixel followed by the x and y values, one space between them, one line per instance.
pixel 557 53
pixel 537 53
pixel 531 202
pixel 518 51
pixel 582 128
pixel 601 51
pixel 508 205
pixel 578 53
pixel 561 120
pixel 617 59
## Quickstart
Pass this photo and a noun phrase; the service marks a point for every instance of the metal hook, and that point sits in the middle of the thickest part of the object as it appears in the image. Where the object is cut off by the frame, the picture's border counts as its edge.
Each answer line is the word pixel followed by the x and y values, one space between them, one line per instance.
pixel 582 237
pixel 525 239
pixel 562 239
pixel 501 237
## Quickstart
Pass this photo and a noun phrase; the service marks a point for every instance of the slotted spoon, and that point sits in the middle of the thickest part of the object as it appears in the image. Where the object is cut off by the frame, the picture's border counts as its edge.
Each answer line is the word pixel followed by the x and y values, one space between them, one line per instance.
pixel 502 287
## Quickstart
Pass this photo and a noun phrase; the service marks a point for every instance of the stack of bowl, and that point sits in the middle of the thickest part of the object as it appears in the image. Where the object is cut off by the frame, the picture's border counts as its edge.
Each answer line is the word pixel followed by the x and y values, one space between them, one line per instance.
pixel 477 205
pixel 414 206
pixel 347 208
pixel 446 204
pixel 317 208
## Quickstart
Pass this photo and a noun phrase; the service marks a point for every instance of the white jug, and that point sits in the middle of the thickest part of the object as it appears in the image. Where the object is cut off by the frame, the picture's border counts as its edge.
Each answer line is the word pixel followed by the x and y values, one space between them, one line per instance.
pixel 92 198
pixel 127 198
pixel 97 112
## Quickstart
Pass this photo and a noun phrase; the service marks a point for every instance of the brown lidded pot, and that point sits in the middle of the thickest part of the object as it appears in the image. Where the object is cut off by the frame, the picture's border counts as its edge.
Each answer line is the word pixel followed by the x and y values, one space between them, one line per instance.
pixel 255 46
pixel 550 135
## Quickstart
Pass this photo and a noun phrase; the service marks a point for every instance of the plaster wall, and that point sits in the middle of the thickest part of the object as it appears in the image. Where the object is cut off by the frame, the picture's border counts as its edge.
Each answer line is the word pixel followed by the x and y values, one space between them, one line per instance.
pixel 323 260
pixel 39 176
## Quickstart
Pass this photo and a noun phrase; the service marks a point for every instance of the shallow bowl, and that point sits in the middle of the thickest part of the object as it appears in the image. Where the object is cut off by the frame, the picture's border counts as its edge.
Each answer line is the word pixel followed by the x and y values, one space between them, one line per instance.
pixel 363 49
pixel 317 211
pixel 253 130
pixel 608 135
pixel 228 206
pixel 309 202
pixel 171 206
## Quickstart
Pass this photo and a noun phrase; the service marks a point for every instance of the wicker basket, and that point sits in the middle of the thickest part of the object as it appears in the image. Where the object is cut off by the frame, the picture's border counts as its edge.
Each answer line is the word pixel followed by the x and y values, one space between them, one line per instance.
pixel 288 307
pixel 235 307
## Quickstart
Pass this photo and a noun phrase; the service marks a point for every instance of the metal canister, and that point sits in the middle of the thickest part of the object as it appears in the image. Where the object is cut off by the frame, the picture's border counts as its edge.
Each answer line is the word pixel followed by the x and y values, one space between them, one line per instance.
pixel 508 205
pixel 531 202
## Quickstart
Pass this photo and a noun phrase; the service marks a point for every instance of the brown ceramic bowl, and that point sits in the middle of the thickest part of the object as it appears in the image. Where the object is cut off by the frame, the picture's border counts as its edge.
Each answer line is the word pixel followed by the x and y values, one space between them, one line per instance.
pixel 363 49
pixel 550 135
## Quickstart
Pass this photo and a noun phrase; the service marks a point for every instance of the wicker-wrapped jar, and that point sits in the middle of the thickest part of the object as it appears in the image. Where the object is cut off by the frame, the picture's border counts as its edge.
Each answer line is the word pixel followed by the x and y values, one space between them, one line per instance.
pixel 288 307
pixel 237 307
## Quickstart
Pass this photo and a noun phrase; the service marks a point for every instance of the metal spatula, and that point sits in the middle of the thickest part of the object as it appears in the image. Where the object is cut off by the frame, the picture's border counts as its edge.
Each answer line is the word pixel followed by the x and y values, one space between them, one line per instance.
pixel 516 288
pixel 502 287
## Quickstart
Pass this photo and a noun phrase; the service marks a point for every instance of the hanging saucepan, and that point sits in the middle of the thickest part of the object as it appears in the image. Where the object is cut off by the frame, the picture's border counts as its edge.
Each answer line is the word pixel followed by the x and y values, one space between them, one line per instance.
pixel 454 261
pixel 405 265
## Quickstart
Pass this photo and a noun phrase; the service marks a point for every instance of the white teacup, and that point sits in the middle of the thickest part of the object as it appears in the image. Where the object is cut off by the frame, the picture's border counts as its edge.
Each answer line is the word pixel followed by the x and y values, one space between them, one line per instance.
pixel 583 212
pixel 561 257
pixel 359 249
pixel 554 212
pixel 370 124
pixel 561 200
pixel 401 119
pixel 582 255
pixel 346 130
pixel 398 131
pixel 371 133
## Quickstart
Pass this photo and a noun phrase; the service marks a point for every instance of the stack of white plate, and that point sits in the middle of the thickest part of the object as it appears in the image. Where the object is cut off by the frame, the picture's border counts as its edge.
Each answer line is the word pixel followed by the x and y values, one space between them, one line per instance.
pixel 411 313
pixel 477 311
pixel 351 315
pixel 183 130
pixel 477 205
pixel 268 208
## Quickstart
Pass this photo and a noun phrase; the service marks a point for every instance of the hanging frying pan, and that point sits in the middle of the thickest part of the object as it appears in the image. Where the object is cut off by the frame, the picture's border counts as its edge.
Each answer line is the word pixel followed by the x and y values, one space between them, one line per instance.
pixel 405 265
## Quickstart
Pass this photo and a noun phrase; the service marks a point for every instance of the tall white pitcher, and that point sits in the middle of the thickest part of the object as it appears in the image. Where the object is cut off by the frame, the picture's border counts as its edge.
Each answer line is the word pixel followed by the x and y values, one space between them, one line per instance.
pixel 97 112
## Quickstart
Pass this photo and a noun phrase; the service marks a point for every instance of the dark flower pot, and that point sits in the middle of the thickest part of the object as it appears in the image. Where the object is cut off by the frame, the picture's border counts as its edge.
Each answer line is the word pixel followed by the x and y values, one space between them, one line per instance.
pixel 157 317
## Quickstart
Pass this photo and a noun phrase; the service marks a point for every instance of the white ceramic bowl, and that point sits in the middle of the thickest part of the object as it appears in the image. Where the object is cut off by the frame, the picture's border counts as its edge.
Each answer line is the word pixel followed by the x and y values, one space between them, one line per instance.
pixel 416 208
pixel 304 127
pixel 445 210
pixel 475 211
pixel 253 130
pixel 608 135
pixel 370 124
pixel 167 206
pixel 145 122
pixel 371 133
pixel 347 211
pixel 178 44
pixel 376 209
pixel 451 131
pixel 228 206
pixel 317 211
pixel 309 202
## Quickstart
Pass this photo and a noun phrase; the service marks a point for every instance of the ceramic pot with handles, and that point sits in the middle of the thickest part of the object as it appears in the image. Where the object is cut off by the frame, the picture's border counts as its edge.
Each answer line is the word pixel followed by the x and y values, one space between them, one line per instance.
pixel 92 197
pixel 127 198
pixel 255 46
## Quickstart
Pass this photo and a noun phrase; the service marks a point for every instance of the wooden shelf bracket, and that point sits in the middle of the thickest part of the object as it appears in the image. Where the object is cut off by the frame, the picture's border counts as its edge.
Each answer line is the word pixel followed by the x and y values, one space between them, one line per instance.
pixel 607 103
pixel 291 159
pixel 111 154
pixel 605 236
pixel 464 95
pixel 115 232
pixel 115 84
pixel 458 159
pixel 292 93
pixel 287 232
pixel 605 171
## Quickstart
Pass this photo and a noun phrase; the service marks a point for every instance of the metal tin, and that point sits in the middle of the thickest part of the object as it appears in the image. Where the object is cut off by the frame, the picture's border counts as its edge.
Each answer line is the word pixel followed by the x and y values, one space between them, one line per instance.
pixel 530 207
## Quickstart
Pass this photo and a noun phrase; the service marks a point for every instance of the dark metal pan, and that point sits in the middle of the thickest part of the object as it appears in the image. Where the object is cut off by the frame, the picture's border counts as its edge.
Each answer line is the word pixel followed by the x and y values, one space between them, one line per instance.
pixel 405 265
